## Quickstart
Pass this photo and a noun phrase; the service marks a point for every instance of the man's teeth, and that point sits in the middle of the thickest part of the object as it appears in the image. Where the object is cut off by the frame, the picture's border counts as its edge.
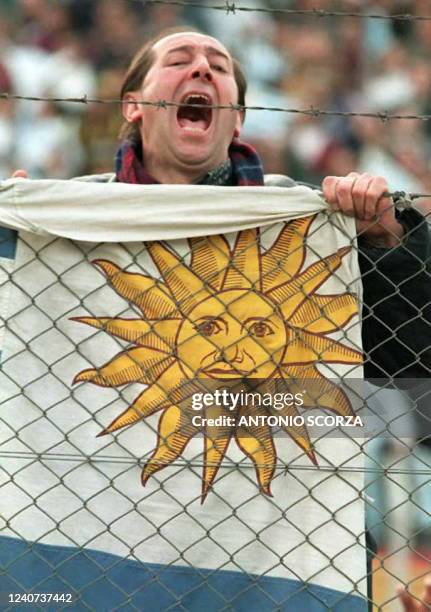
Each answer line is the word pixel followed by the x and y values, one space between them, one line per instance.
pixel 195 115
pixel 198 99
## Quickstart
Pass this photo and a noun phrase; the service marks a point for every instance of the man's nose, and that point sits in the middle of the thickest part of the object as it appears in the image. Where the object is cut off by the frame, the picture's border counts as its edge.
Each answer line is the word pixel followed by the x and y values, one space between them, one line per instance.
pixel 202 70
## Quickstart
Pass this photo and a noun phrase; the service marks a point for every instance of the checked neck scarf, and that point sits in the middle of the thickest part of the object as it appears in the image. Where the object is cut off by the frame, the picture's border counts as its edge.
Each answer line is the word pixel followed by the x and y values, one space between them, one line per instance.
pixel 243 168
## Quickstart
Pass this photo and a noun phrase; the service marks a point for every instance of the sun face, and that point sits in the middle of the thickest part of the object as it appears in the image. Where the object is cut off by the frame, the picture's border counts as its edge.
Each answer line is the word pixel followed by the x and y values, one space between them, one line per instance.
pixel 230 316
pixel 238 334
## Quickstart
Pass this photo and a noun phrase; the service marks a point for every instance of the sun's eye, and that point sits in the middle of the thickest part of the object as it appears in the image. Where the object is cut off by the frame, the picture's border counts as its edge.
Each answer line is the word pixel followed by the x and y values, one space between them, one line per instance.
pixel 208 328
pixel 261 329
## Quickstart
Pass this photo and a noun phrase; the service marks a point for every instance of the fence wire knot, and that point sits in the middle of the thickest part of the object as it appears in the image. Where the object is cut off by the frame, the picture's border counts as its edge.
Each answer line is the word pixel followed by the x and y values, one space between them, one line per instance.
pixel 162 104
pixel 319 12
pixel 402 199
pixel 236 107
pixel 230 8
pixel 314 112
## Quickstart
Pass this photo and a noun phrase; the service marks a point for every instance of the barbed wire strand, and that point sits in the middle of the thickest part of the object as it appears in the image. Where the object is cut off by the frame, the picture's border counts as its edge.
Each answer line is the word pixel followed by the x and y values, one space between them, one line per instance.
pixel 383 116
pixel 311 111
pixel 404 199
pixel 231 8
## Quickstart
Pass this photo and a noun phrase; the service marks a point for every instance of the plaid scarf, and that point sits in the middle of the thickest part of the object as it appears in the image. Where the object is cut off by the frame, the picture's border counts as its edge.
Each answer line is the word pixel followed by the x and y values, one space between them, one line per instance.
pixel 245 168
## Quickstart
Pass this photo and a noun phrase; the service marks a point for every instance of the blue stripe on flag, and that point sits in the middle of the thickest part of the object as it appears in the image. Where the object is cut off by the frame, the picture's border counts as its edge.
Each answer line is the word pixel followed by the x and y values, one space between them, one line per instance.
pixel 106 581
pixel 8 240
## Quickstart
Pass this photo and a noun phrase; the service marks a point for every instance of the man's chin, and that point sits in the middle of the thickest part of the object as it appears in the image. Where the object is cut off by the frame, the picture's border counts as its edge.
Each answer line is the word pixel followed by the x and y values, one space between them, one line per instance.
pixel 201 159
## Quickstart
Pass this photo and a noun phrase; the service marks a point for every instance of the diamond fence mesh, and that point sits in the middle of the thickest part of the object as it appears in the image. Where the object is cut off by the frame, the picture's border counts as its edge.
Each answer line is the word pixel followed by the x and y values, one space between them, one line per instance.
pixel 157 450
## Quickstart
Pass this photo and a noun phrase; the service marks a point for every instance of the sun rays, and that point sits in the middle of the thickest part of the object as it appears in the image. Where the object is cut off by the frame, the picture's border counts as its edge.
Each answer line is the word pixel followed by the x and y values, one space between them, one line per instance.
pixel 230 316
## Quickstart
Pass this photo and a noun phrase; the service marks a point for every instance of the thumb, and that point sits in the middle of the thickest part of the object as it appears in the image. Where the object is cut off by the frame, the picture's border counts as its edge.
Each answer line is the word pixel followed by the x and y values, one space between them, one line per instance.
pixel 20 174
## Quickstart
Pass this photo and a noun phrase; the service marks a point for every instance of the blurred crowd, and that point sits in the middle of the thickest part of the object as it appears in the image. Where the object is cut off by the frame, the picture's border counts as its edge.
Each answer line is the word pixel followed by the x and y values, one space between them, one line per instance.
pixel 72 48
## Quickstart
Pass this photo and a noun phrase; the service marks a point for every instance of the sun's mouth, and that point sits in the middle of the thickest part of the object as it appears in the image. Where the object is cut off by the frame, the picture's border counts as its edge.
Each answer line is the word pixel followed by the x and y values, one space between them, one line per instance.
pixel 195 114
pixel 222 370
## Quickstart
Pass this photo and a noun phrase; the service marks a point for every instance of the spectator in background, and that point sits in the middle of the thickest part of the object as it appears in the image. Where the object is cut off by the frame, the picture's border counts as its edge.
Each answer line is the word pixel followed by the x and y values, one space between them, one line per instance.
pixel 113 35
pixel 46 135
pixel 7 108
pixel 99 127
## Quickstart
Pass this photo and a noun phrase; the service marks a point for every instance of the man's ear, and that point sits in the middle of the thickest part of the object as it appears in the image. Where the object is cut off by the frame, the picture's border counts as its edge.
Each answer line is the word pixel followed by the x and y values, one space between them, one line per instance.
pixel 132 110
pixel 238 124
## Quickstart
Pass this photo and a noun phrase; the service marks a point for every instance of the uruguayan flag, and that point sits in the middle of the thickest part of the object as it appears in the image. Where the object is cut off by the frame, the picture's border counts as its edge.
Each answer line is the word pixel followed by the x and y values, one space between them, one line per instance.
pixel 132 319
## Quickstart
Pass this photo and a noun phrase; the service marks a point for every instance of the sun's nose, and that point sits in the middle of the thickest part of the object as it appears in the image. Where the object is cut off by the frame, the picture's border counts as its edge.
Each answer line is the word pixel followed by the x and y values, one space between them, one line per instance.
pixel 231 354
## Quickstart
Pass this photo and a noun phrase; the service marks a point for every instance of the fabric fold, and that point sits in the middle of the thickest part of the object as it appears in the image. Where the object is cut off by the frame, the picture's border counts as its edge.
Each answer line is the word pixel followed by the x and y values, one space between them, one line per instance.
pixel 117 212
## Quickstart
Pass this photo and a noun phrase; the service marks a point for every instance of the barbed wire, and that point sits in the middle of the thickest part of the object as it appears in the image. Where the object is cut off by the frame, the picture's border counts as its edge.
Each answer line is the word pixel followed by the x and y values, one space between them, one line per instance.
pixel 404 200
pixel 233 8
pixel 383 116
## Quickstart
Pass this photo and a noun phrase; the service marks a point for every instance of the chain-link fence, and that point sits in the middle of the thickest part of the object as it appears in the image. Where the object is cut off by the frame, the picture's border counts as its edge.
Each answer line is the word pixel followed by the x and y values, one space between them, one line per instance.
pixel 180 419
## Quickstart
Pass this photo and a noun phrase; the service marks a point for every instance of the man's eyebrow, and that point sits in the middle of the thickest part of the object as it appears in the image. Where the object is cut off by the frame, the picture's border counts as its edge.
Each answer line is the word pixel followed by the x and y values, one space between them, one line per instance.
pixel 190 48
pixel 214 51
pixel 187 48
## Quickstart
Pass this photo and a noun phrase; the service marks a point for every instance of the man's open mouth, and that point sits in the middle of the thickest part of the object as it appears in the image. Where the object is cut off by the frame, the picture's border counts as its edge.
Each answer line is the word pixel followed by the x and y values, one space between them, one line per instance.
pixel 195 118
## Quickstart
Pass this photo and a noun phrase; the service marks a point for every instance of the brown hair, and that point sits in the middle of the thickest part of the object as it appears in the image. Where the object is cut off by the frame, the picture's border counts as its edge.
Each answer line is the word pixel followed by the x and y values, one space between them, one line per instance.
pixel 141 64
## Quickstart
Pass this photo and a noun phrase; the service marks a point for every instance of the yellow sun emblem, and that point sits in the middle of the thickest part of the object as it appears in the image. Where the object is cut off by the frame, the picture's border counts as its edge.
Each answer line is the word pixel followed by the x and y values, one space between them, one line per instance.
pixel 230 315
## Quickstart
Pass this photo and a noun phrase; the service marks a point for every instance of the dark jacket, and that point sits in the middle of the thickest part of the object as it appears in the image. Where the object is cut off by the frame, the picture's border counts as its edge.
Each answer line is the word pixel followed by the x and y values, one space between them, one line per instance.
pixel 396 330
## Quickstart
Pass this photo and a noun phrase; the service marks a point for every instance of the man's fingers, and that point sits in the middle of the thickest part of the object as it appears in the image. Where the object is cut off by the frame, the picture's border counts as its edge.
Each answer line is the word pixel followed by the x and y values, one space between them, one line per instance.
pixel 409 604
pixel 20 174
pixel 414 604
pixel 358 195
pixel 360 191
pixel 345 195
pixel 374 201
pixel 329 190
pixel 337 191
pixel 427 594
pixel 362 196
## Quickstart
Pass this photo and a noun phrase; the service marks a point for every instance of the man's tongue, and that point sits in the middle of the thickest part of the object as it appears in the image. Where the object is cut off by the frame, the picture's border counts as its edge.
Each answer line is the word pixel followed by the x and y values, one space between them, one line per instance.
pixel 194 118
pixel 196 124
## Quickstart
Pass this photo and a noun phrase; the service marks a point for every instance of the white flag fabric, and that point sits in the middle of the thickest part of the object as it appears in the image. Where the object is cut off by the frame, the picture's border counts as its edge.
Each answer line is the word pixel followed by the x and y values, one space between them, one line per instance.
pixel 115 212
pixel 111 339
